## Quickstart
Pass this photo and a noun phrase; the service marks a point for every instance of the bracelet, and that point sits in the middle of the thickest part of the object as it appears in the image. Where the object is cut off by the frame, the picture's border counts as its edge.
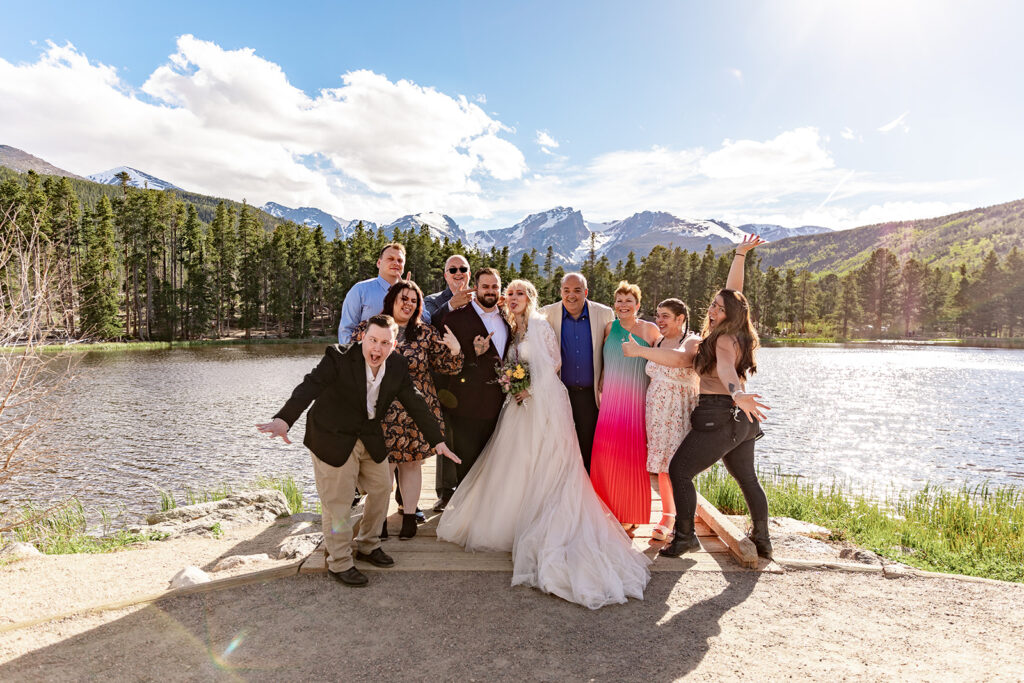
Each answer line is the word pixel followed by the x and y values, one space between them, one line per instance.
pixel 741 255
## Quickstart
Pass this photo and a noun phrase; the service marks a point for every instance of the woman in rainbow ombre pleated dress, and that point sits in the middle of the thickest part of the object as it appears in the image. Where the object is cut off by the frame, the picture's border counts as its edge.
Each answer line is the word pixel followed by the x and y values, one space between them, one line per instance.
pixel 618 466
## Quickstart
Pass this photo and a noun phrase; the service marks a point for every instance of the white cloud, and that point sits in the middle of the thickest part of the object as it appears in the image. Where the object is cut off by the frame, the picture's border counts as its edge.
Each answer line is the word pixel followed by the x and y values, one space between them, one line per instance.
pixel 899 122
pixel 847 133
pixel 737 74
pixel 229 123
pixel 546 142
pixel 792 152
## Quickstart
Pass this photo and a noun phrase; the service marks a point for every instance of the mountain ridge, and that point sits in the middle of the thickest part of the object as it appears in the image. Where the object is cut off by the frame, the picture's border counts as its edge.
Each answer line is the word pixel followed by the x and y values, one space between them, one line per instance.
pixel 947 241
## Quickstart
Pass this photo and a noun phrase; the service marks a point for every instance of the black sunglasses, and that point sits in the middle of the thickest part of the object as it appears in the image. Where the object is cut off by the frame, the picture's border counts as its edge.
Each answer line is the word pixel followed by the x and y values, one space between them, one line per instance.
pixel 458 269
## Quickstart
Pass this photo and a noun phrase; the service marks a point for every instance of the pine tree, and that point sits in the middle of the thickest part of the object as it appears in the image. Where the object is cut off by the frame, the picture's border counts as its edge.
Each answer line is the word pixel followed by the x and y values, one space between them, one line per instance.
pixel 250 269
pixel 199 306
pixel 912 292
pixel 99 282
pixel 848 306
pixel 879 281
pixel 223 257
pixel 528 266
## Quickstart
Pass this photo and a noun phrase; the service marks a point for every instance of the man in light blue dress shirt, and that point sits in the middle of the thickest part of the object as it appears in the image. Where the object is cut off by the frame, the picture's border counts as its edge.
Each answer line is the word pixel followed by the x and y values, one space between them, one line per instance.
pixel 366 298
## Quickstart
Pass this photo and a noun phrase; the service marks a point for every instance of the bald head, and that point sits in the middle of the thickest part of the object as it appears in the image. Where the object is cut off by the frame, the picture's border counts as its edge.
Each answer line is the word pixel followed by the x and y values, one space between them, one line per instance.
pixel 574 293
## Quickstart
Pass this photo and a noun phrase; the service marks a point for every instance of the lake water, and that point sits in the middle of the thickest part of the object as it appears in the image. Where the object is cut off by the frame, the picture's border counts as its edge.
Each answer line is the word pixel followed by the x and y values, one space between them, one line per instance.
pixel 875 416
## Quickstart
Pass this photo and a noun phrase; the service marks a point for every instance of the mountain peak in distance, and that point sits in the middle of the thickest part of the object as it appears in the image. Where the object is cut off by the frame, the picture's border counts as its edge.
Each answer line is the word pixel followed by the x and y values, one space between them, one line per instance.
pixel 23 162
pixel 139 179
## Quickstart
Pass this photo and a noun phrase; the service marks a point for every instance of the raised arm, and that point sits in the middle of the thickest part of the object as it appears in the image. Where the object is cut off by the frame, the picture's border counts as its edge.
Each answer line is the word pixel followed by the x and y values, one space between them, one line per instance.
pixel 673 358
pixel 735 279
pixel 725 352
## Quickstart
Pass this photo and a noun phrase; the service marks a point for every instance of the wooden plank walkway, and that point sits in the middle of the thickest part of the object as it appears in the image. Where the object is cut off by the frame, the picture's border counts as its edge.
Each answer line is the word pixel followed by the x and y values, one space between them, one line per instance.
pixel 723 548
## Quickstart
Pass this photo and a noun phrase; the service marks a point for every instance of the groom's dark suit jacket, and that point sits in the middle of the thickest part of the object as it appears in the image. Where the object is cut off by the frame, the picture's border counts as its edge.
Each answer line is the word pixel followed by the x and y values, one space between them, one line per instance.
pixel 337 389
pixel 473 393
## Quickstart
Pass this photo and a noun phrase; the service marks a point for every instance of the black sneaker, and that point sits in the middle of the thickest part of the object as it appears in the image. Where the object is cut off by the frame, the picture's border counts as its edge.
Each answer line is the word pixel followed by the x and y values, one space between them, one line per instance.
pixel 440 505
pixel 350 577
pixel 376 557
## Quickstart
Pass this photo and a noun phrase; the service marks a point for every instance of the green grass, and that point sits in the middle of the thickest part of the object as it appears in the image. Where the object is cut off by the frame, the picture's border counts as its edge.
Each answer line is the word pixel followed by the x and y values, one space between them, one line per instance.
pixel 64 530
pixel 975 531
pixel 285 484
pixel 162 345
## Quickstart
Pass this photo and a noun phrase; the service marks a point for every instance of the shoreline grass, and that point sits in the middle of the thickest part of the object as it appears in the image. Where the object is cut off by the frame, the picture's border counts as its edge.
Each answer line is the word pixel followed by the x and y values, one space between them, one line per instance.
pixel 65 528
pixel 286 484
pixel 85 347
pixel 975 531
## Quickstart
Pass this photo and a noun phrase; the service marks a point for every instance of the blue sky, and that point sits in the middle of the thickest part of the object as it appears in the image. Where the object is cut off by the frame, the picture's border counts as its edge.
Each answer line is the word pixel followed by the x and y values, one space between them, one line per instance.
pixel 838 114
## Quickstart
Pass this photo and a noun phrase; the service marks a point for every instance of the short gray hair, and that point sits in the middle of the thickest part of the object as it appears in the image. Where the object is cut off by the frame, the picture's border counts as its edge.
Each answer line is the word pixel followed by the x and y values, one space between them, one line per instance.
pixel 449 260
pixel 569 275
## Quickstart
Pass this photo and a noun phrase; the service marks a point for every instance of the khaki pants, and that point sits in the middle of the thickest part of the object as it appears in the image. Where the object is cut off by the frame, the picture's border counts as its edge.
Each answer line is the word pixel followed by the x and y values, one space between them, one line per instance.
pixel 335 486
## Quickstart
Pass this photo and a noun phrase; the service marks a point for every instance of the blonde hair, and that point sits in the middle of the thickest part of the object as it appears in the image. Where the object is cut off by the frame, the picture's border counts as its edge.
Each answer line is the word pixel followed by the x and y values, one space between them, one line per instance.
pixel 627 288
pixel 531 306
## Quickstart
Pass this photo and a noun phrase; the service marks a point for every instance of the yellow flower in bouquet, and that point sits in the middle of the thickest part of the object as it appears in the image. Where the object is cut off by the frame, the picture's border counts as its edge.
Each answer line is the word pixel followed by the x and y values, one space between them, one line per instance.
pixel 519 373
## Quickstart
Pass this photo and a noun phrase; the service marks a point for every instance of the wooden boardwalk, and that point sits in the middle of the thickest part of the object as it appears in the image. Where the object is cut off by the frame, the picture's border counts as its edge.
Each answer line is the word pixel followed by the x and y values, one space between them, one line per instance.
pixel 723 548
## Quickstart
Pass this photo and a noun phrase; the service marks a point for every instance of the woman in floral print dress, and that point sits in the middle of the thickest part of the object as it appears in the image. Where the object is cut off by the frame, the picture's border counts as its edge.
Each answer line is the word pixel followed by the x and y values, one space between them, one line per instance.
pixel 428 351
pixel 671 397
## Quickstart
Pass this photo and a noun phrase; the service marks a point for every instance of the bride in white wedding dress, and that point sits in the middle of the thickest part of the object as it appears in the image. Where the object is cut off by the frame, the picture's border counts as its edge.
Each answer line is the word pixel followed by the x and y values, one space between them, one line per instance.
pixel 529 493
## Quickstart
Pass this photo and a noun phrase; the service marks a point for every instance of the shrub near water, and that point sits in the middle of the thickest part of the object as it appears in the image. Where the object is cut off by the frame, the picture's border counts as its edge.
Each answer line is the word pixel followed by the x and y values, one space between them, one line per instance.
pixel 975 531
pixel 64 530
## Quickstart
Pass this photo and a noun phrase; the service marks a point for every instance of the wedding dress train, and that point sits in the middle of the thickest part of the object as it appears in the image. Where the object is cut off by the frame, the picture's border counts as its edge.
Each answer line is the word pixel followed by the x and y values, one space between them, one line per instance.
pixel 529 494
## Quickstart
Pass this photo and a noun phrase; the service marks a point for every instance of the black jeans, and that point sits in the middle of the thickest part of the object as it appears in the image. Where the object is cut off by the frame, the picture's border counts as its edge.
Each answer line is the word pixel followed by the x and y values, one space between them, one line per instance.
pixel 731 440
pixel 584 416
pixel 445 476
pixel 468 436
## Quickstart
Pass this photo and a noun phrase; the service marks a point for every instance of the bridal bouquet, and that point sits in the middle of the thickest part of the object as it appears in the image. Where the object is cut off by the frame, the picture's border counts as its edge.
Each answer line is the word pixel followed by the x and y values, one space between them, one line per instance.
pixel 513 375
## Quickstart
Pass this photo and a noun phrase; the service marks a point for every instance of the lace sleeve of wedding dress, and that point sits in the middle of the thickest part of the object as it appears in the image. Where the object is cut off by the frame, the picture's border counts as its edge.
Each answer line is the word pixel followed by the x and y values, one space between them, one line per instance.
pixel 548 343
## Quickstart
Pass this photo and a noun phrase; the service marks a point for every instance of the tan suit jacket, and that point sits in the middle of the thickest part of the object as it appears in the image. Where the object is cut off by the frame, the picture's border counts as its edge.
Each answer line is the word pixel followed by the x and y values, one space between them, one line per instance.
pixel 600 315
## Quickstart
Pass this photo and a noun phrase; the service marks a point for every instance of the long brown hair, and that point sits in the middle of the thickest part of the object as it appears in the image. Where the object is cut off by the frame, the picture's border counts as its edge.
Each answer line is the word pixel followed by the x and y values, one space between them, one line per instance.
pixel 412 327
pixel 736 324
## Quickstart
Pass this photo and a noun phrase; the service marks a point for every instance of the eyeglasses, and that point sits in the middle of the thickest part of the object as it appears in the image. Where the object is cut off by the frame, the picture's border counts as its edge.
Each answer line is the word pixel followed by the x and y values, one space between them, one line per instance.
pixel 458 269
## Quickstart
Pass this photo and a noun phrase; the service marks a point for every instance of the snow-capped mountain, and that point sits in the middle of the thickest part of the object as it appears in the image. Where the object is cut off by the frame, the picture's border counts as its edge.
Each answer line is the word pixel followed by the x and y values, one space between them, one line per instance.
pixel 138 179
pixel 440 226
pixel 563 228
pixel 774 233
pixel 312 216
pixel 642 231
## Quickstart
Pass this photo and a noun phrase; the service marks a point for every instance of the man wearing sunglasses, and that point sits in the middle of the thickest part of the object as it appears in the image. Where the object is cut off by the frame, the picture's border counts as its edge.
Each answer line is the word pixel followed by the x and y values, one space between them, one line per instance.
pixel 457 294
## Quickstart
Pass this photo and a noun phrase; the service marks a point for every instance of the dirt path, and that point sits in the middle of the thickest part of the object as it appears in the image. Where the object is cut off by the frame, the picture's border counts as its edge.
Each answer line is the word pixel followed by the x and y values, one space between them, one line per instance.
pixel 56 584
pixel 465 625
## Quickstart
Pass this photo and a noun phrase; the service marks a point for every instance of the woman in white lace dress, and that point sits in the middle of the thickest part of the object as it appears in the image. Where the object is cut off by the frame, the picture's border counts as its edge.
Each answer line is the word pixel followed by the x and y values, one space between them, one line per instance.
pixel 529 493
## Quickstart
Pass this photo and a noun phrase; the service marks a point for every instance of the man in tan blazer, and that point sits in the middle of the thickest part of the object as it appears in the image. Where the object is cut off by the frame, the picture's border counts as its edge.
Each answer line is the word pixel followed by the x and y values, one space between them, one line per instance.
pixel 579 325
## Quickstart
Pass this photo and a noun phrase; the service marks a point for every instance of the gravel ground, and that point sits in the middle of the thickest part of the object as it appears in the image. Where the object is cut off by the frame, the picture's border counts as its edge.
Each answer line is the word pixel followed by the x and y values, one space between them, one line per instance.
pixel 473 626
pixel 56 584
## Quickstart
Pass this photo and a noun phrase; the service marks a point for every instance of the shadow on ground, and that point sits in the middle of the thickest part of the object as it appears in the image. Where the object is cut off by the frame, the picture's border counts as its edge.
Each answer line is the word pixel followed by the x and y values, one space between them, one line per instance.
pixel 419 625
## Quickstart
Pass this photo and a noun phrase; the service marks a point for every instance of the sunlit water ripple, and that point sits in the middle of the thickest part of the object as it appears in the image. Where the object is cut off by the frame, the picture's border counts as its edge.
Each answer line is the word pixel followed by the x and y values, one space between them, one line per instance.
pixel 872 417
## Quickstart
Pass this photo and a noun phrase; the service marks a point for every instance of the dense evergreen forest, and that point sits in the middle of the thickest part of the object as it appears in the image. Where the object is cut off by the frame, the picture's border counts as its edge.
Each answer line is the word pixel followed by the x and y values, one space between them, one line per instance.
pixel 149 265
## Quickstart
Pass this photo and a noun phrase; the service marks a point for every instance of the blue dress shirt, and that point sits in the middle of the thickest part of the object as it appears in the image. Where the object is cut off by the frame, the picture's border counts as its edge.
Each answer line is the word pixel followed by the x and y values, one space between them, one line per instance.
pixel 577 350
pixel 363 301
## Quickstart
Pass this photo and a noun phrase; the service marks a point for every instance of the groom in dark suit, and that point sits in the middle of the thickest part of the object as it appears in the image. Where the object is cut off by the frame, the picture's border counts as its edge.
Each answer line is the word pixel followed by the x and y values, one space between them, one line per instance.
pixel 473 399
pixel 351 389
